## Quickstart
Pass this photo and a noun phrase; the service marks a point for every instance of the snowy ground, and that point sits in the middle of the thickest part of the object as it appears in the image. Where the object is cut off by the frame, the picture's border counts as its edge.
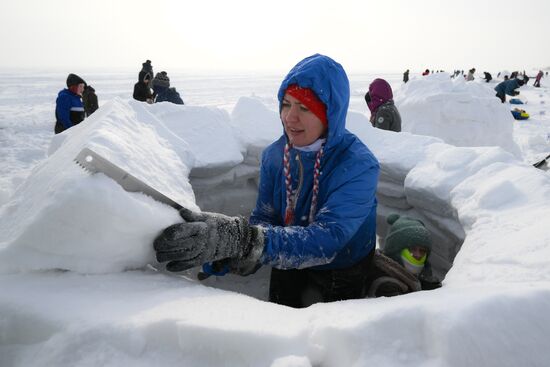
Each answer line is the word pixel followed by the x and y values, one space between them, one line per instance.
pixel 77 283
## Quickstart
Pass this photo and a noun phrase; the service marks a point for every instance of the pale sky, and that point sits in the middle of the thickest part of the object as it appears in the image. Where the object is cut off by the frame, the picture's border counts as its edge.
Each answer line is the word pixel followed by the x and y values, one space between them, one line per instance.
pixel 256 35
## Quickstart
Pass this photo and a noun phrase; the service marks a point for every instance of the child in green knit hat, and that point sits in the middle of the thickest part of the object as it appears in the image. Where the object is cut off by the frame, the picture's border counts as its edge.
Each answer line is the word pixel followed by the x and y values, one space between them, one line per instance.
pixel 403 265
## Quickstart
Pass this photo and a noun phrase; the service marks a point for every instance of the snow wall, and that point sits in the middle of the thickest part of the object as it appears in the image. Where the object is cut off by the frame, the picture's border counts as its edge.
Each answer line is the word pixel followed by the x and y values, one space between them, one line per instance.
pixel 480 200
pixel 206 158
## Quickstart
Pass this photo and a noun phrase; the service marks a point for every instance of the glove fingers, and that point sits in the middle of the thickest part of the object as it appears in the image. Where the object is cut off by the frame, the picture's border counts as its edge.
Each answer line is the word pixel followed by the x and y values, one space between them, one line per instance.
pixel 189 253
pixel 173 236
pixel 190 216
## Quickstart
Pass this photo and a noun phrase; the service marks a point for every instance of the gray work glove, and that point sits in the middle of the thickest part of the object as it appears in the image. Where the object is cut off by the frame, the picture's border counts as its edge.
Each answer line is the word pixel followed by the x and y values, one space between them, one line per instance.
pixel 207 237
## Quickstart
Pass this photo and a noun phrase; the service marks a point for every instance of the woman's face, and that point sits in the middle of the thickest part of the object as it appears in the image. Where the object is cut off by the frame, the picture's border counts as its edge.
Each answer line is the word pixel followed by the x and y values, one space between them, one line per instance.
pixel 301 126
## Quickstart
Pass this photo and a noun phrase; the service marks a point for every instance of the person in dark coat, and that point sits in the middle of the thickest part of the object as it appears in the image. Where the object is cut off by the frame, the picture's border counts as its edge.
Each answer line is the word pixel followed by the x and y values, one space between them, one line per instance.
pixel 487 76
pixel 384 114
pixel 315 216
pixel 163 92
pixel 142 91
pixel 147 68
pixel 509 87
pixel 538 78
pixel 89 99
pixel 403 266
pixel 406 76
pixel 69 110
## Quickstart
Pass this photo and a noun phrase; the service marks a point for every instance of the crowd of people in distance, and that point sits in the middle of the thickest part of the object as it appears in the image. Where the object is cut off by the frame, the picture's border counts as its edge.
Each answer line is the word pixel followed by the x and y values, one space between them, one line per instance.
pixel 509 86
pixel 157 89
pixel 79 100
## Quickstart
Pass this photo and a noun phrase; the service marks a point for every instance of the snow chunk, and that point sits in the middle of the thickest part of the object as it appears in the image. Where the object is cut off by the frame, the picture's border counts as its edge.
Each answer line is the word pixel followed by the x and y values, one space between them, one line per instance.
pixel 63 217
pixel 202 128
pixel 459 112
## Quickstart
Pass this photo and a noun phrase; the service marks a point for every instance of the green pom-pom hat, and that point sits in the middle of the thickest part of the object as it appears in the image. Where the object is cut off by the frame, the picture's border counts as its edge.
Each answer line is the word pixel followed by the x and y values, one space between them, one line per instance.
pixel 405 232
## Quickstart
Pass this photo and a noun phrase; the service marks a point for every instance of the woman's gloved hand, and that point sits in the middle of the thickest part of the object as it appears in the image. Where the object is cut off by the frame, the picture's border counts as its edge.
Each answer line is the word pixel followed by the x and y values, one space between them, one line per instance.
pixel 207 237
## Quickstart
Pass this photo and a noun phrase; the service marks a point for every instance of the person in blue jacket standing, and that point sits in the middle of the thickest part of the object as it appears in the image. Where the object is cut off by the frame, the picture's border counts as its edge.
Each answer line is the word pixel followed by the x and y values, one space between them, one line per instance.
pixel 508 87
pixel 315 216
pixel 69 110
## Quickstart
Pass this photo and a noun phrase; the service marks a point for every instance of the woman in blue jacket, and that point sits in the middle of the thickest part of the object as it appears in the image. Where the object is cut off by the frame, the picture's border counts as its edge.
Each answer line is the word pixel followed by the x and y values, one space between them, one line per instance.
pixel 315 216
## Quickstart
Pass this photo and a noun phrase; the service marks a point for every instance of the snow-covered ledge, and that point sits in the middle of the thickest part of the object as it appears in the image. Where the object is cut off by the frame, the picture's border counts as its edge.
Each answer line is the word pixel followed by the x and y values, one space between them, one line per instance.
pixel 100 312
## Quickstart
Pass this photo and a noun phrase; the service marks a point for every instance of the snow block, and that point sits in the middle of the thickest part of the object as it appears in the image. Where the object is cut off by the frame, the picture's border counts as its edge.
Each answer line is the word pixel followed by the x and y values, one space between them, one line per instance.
pixel 460 113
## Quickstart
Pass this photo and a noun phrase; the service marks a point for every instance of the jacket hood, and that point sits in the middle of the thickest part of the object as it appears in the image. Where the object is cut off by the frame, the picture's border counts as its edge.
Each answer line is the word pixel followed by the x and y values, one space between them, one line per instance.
pixel 74 79
pixel 329 81
pixel 380 92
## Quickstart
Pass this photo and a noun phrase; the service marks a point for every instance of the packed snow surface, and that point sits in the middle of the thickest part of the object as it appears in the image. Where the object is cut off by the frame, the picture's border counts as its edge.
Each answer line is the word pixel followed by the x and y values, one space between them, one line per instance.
pixel 80 285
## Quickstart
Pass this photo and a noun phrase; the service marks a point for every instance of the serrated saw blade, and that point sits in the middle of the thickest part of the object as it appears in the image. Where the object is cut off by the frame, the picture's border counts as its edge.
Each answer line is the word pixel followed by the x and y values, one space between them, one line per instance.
pixel 94 163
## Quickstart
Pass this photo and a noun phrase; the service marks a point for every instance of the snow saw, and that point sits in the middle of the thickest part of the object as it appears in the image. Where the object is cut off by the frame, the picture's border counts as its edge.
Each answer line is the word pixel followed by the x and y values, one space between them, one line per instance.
pixel 92 162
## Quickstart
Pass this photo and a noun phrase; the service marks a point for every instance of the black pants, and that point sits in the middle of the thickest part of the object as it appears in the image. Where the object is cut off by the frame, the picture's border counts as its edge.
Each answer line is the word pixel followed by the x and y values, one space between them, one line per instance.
pixel 303 287
pixel 59 128
pixel 502 97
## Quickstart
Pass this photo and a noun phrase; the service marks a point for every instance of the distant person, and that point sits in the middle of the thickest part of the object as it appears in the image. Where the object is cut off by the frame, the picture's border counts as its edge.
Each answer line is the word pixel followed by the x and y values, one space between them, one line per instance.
pixel 142 89
pixel 509 87
pixel 404 264
pixel 89 99
pixel 470 76
pixel 406 76
pixel 426 72
pixel 147 67
pixel 538 78
pixel 163 92
pixel 513 75
pixel 487 76
pixel 384 114
pixel 69 110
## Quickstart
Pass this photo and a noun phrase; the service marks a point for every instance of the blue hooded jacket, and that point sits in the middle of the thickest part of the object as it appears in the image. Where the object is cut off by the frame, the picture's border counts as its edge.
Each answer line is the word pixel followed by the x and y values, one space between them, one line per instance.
pixel 69 110
pixel 343 230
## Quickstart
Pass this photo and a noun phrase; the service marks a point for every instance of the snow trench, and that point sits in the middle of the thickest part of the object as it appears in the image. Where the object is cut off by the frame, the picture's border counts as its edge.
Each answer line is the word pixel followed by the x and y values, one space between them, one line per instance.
pixel 487 212
pixel 202 157
pixel 234 193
